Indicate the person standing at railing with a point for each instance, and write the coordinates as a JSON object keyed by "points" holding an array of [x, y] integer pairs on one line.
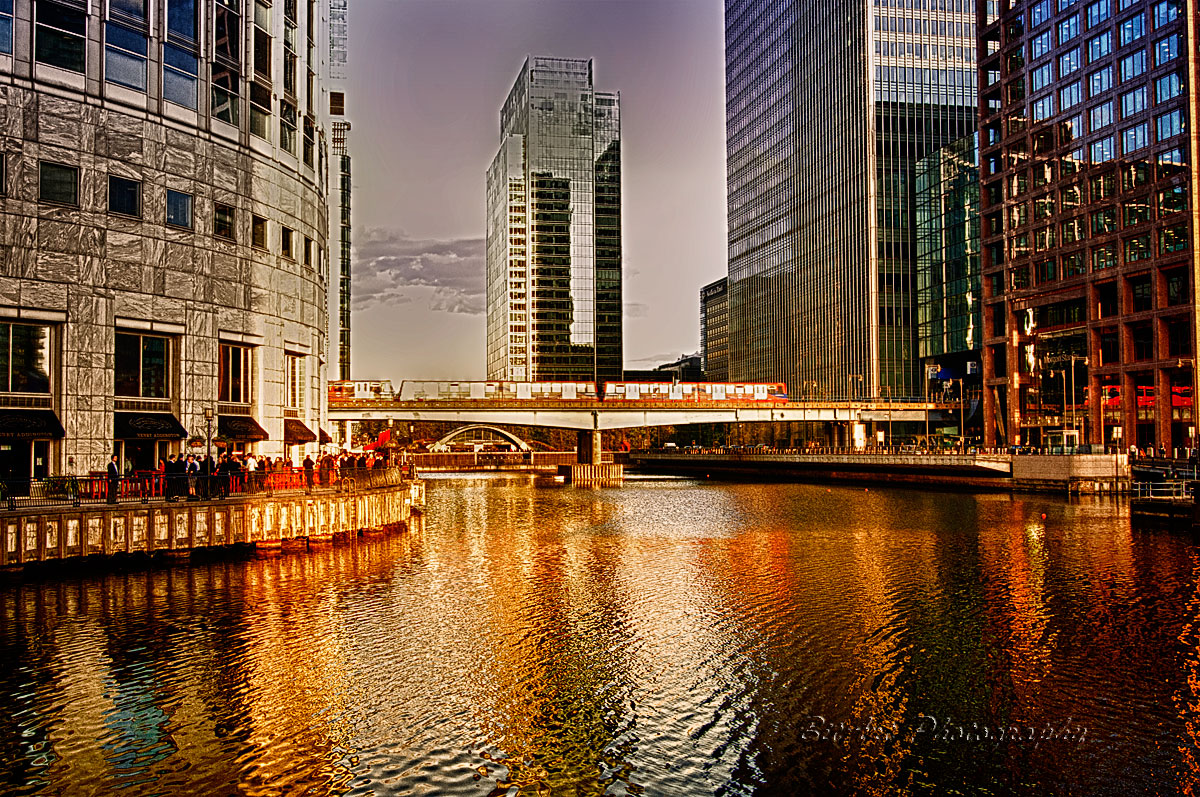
{"points": [[251, 467], [114, 479], [308, 473]]}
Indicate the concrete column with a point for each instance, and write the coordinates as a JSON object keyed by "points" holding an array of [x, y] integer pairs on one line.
{"points": [[588, 450]]}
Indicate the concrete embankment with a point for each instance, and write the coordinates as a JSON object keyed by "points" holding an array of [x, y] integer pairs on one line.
{"points": [[1071, 474], [266, 522]]}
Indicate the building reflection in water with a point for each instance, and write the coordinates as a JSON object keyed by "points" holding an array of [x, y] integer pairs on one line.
{"points": [[668, 637]]}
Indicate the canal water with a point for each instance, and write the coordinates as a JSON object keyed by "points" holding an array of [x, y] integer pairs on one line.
{"points": [[668, 637]]}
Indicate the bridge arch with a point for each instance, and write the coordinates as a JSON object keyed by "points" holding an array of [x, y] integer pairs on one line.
{"points": [[444, 443]]}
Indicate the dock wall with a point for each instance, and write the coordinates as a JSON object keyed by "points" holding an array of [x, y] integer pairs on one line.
{"points": [[267, 522]]}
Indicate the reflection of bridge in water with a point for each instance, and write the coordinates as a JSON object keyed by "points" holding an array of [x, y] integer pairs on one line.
{"points": [[590, 417]]}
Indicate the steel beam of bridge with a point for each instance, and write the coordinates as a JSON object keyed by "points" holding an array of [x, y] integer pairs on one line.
{"points": [[601, 415]]}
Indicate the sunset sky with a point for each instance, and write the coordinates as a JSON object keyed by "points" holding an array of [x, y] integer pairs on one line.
{"points": [[427, 78]]}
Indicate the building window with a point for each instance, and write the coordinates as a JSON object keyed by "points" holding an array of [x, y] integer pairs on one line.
{"points": [[236, 372], [337, 103], [60, 36], [225, 88], [124, 196], [6, 26], [181, 19], [181, 70], [295, 381], [1173, 239], [1166, 50], [1135, 211], [1137, 249], [134, 9], [179, 209], [1172, 200], [260, 110], [285, 243], [227, 28], [287, 126], [308, 250], [262, 40], [1170, 124], [142, 366], [125, 57], [1177, 288], [224, 222], [24, 358], [1104, 257], [258, 232], [58, 183], [310, 140]]}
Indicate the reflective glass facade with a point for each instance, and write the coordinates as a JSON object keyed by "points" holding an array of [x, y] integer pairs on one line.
{"points": [[949, 318], [554, 229], [823, 141], [1088, 242]]}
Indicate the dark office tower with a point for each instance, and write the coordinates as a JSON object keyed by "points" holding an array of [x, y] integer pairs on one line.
{"points": [[1088, 254], [829, 105], [554, 229], [949, 320], [714, 330]]}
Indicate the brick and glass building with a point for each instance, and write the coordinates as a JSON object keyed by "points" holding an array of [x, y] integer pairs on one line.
{"points": [[163, 251], [830, 104], [554, 229], [1087, 141]]}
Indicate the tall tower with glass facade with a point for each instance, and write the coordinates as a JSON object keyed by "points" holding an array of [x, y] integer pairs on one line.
{"points": [[554, 229], [829, 106], [339, 184]]}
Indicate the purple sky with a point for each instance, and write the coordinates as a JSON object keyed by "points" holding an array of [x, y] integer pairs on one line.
{"points": [[427, 78]]}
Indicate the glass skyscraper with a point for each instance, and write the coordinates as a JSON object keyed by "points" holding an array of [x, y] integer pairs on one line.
{"points": [[554, 229], [949, 320], [829, 105]]}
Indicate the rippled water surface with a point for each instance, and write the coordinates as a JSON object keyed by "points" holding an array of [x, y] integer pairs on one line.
{"points": [[667, 637]]}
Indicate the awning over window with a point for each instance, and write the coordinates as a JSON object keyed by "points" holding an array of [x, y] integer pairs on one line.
{"points": [[324, 438], [240, 427], [147, 425], [29, 424], [296, 433]]}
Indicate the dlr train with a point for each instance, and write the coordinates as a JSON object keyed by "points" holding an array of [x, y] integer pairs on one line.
{"points": [[695, 392]]}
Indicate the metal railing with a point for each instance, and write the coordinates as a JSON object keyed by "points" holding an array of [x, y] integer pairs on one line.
{"points": [[142, 488], [1163, 491], [491, 459]]}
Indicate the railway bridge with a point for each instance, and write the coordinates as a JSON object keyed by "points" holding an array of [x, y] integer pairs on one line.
{"points": [[590, 417]]}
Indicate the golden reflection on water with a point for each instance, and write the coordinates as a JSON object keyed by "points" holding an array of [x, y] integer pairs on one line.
{"points": [[673, 638]]}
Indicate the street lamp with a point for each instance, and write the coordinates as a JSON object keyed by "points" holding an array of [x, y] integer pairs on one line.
{"points": [[854, 378], [208, 419]]}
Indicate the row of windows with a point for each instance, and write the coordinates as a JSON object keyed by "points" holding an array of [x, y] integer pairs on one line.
{"points": [[143, 365], [1133, 250], [61, 35], [59, 184]]}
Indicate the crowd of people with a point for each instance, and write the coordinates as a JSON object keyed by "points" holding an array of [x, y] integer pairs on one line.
{"points": [[191, 476]]}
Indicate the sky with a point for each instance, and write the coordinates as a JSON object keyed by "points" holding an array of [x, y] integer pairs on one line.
{"points": [[426, 82]]}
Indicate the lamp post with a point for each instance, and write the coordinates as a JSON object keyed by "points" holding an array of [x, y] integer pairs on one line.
{"points": [[208, 419]]}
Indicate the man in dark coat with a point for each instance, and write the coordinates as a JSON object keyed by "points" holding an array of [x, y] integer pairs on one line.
{"points": [[308, 473], [114, 479]]}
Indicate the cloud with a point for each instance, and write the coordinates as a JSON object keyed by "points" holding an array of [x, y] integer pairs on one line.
{"points": [[390, 268]]}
